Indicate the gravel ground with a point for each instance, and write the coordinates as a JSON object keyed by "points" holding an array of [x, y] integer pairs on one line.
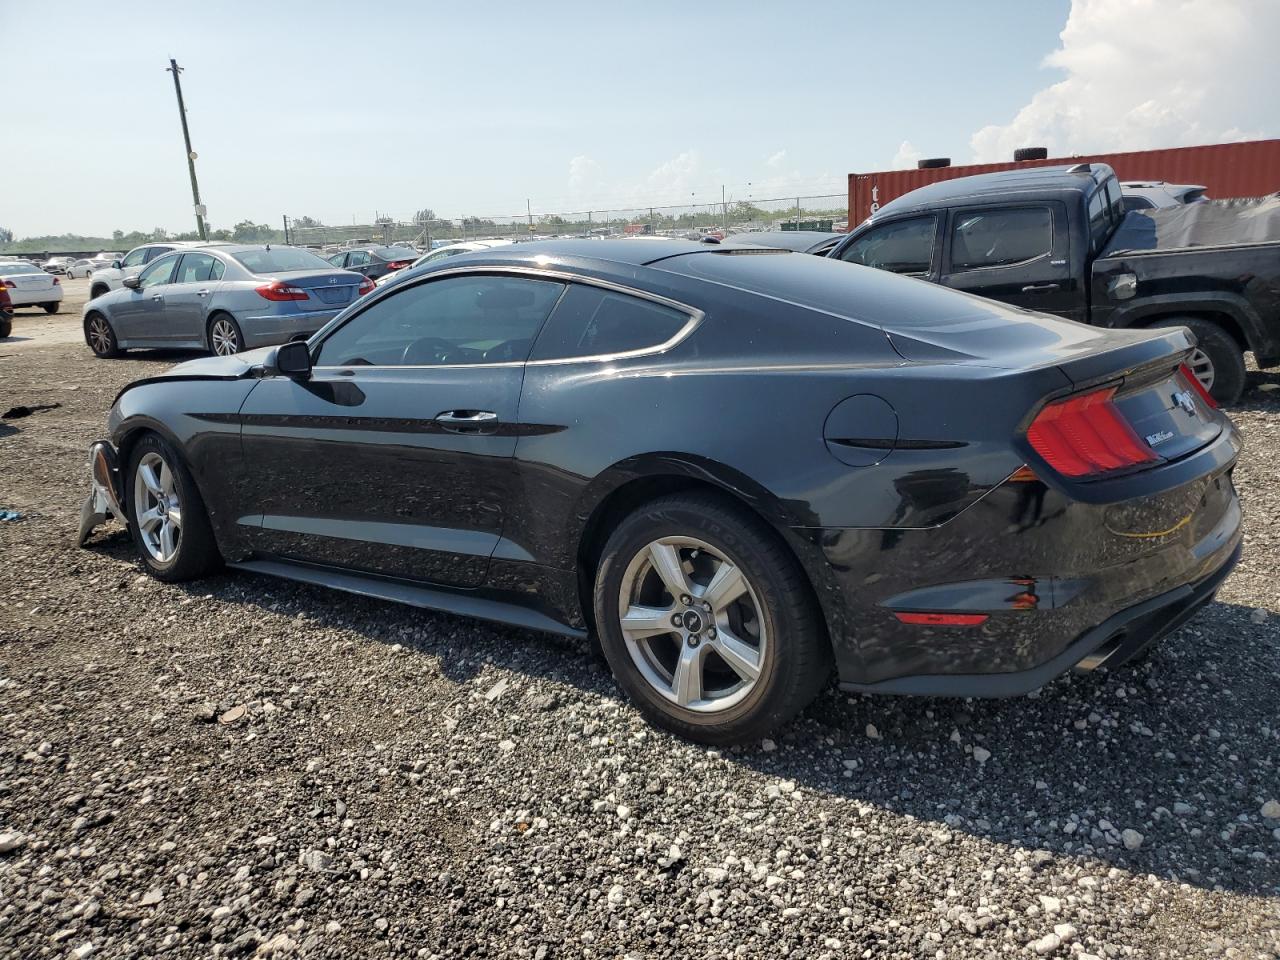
{"points": [[244, 767]]}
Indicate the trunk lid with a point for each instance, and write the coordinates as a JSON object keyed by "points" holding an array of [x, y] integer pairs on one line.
{"points": [[31, 281], [327, 289]]}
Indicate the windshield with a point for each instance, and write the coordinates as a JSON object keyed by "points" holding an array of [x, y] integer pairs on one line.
{"points": [[280, 260]]}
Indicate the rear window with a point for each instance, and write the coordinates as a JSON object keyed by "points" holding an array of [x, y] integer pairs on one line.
{"points": [[593, 322], [280, 260], [998, 238], [15, 268]]}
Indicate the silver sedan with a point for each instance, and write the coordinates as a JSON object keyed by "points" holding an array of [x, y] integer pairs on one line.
{"points": [[222, 299]]}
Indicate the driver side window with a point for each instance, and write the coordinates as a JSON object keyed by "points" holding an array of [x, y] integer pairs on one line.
{"points": [[903, 246], [161, 271], [454, 320]]}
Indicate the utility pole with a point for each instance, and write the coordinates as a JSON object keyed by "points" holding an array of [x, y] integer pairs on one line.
{"points": [[285, 218], [191, 154], [724, 210], [529, 209]]}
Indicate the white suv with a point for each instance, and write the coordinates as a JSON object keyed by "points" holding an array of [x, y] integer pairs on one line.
{"points": [[112, 277]]}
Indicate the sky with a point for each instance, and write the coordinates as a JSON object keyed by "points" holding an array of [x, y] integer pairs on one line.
{"points": [[344, 111]]}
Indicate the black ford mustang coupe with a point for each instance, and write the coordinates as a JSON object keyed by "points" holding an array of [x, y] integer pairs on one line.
{"points": [[735, 466]]}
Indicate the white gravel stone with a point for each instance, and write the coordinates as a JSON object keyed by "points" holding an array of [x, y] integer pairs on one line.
{"points": [[1132, 839], [1047, 944], [981, 754], [1271, 810]]}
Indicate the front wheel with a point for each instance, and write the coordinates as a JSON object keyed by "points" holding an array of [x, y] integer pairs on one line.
{"points": [[225, 337], [1217, 361], [167, 515], [707, 621]]}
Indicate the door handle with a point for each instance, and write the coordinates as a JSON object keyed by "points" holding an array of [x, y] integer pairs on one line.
{"points": [[1041, 287], [157, 296], [468, 421], [202, 293]]}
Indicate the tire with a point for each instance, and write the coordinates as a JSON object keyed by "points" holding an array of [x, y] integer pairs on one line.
{"points": [[6, 327], [101, 337], [224, 336], [773, 627], [1030, 153], [933, 163], [189, 550], [1218, 361], [98, 290], [50, 307]]}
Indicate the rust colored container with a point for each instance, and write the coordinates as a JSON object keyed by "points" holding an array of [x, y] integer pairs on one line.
{"points": [[1250, 169]]}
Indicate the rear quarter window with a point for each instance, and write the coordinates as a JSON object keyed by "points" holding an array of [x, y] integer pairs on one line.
{"points": [[596, 322]]}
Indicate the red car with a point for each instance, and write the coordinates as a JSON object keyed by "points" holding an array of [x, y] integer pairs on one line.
{"points": [[6, 313]]}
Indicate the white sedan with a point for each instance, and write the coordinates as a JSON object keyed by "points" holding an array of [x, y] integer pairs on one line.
{"points": [[443, 253], [29, 286], [82, 268]]}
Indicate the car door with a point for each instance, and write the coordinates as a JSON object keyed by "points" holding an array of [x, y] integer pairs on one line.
{"points": [[187, 299], [395, 456], [139, 314], [1015, 253], [360, 261]]}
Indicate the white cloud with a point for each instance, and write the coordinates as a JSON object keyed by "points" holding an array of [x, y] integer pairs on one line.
{"points": [[777, 160], [1151, 73], [582, 172], [675, 178], [906, 156]]}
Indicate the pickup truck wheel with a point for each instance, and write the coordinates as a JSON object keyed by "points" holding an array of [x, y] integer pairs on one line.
{"points": [[1217, 362]]}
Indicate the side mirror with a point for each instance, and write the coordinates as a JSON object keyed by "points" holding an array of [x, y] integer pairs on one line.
{"points": [[115, 265], [293, 360], [132, 283]]}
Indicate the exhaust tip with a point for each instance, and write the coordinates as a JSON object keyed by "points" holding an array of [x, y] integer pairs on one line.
{"points": [[1092, 661]]}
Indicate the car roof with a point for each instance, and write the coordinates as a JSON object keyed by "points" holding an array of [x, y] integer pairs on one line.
{"points": [[801, 240], [615, 250], [1077, 178]]}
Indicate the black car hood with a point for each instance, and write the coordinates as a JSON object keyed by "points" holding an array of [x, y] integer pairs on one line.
{"points": [[234, 367], [237, 365]]}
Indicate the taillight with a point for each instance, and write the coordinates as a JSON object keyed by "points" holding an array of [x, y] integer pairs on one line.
{"points": [[56, 282], [279, 290], [366, 286], [1086, 435], [1189, 375], [398, 264]]}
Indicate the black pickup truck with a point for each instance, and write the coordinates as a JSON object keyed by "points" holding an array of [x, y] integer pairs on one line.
{"points": [[1057, 240]]}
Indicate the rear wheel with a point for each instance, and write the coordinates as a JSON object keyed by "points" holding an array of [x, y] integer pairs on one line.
{"points": [[50, 307], [6, 326], [1217, 361], [225, 337], [707, 621], [166, 514], [100, 337]]}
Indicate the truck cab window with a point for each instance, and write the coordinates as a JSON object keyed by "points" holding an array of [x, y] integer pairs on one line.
{"points": [[903, 246], [998, 238]]}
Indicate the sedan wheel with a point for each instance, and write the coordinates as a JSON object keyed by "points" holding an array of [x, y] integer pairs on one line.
{"points": [[224, 337], [1202, 366], [158, 507], [692, 624]]}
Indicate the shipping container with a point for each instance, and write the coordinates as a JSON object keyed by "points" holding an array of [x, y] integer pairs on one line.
{"points": [[1249, 169]]}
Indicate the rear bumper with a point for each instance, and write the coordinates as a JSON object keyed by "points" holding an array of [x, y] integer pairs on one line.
{"points": [[268, 330], [1114, 641]]}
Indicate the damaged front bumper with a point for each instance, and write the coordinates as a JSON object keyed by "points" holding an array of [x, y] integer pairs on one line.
{"points": [[104, 497]]}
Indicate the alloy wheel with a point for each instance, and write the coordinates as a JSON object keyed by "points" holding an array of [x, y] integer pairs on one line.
{"points": [[158, 507], [100, 337], [692, 624], [225, 339], [1202, 367]]}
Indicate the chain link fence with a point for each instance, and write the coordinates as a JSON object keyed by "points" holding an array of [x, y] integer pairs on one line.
{"points": [[826, 212]]}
